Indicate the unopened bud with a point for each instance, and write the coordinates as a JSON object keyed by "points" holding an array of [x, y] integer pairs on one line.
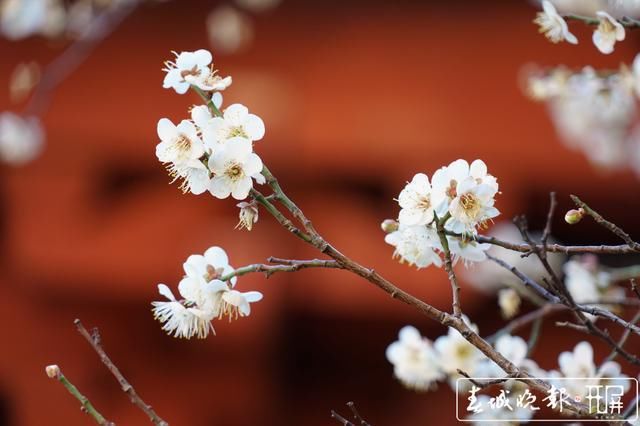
{"points": [[574, 216], [389, 226], [248, 215], [509, 302], [53, 371]]}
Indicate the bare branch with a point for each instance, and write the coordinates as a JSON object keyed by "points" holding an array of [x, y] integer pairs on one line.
{"points": [[54, 372], [94, 341]]}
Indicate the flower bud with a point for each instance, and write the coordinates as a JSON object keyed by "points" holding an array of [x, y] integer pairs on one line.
{"points": [[509, 302], [53, 371], [389, 226], [248, 215], [574, 216]]}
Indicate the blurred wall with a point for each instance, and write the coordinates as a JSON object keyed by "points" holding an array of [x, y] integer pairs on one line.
{"points": [[357, 97]]}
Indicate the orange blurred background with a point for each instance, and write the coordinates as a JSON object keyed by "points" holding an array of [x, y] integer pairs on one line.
{"points": [[357, 97]]}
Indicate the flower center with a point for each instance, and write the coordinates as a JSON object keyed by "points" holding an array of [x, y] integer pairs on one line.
{"points": [[193, 71], [237, 131], [470, 204], [463, 351], [213, 273], [451, 190], [234, 171], [606, 26]]}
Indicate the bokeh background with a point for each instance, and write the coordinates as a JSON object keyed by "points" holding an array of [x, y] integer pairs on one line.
{"points": [[357, 96]]}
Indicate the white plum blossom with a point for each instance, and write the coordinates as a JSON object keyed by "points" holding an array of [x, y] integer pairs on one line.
{"points": [[578, 371], [467, 193], [248, 215], [415, 362], [187, 64], [456, 353], [588, 283], [209, 81], [234, 166], [236, 303], [181, 149], [509, 302], [235, 122], [211, 265], [552, 25], [21, 138], [415, 202], [608, 32], [468, 250], [415, 245], [179, 320], [514, 348]]}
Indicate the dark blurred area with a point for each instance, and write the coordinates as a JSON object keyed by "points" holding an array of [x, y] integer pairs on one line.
{"points": [[357, 97]]}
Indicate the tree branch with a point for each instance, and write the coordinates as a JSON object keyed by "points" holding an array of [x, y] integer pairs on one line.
{"points": [[94, 341]]}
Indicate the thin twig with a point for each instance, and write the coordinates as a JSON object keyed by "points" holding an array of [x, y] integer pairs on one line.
{"points": [[448, 265], [54, 372], [341, 419], [56, 72], [292, 266], [536, 329], [94, 341], [623, 339], [485, 383], [612, 227], [357, 415], [625, 21]]}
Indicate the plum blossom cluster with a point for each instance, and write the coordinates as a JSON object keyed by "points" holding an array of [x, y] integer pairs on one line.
{"points": [[552, 24], [207, 292], [460, 198], [594, 112], [419, 364], [213, 150]]}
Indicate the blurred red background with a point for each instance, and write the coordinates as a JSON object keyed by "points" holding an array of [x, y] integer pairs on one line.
{"points": [[357, 97]]}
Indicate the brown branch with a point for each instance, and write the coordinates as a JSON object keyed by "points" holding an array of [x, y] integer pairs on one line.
{"points": [[56, 72], [448, 266], [287, 265], [484, 384], [623, 339], [94, 341], [612, 227]]}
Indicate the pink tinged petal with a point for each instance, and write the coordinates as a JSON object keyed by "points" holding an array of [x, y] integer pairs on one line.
{"points": [[166, 292], [219, 188], [254, 126], [166, 129], [216, 256], [236, 114], [252, 165], [242, 188]]}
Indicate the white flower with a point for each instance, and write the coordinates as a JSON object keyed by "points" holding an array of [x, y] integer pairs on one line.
{"points": [[236, 122], [588, 283], [234, 165], [248, 215], [509, 302], [179, 145], [180, 320], [236, 303], [209, 81], [21, 138], [22, 18], [553, 25], [414, 360], [187, 64], [415, 245], [514, 348], [415, 201], [214, 264], [466, 192], [455, 352], [468, 250], [180, 148], [608, 32]]}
